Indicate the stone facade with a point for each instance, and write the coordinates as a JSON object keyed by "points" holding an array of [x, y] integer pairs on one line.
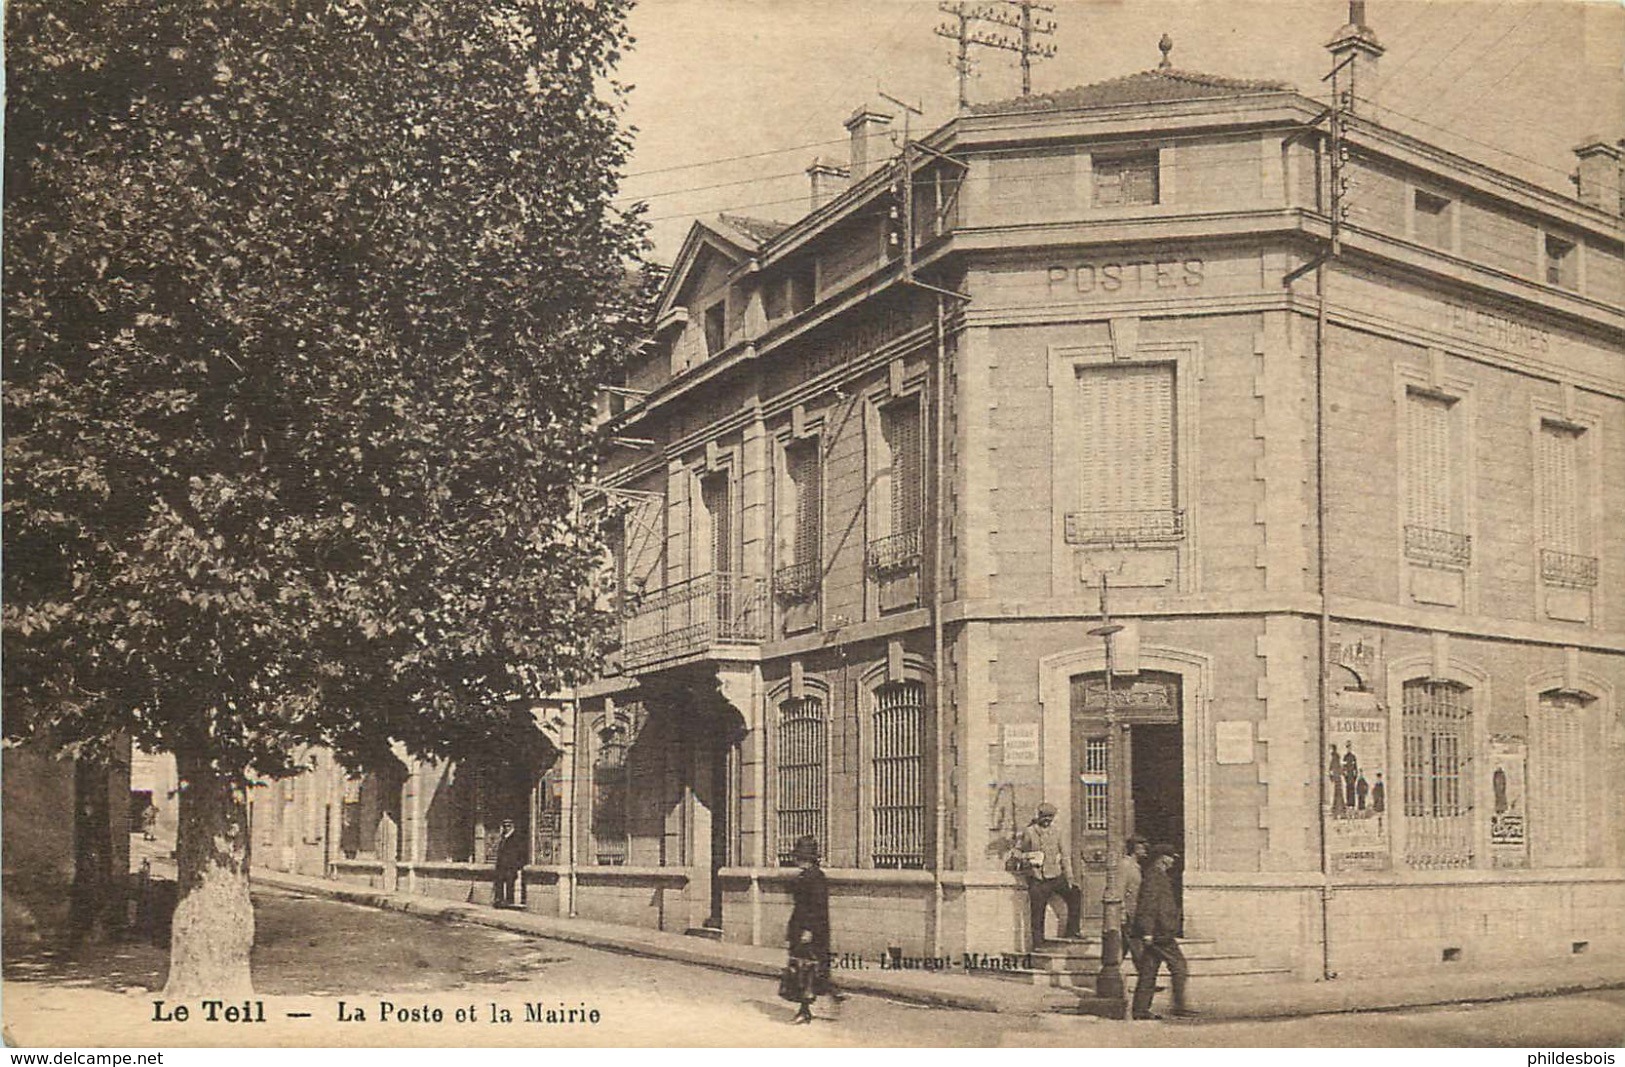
{"points": [[1376, 504]]}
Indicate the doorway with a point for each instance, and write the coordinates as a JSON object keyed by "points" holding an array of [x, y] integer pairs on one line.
{"points": [[1148, 707], [1157, 783]]}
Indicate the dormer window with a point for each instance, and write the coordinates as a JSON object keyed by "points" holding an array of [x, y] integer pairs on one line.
{"points": [[716, 327], [1125, 180], [1561, 263]]}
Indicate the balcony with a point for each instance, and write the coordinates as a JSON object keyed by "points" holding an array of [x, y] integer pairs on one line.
{"points": [[1438, 548], [691, 619], [1568, 569], [897, 554], [1124, 527], [796, 582]]}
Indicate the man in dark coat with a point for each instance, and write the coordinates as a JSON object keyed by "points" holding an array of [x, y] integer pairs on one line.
{"points": [[1156, 921], [808, 931], [510, 860]]}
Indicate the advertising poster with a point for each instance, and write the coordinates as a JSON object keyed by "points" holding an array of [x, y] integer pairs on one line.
{"points": [[1509, 842], [1354, 783]]}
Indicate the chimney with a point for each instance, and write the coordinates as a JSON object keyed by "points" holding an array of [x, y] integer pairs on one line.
{"points": [[866, 127], [826, 181], [1597, 181], [1359, 78]]}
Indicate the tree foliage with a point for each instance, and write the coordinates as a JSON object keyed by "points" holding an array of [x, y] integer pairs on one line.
{"points": [[305, 301]]}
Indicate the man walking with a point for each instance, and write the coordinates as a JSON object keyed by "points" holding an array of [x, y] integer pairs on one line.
{"points": [[510, 860], [1133, 856], [1049, 872], [1156, 922]]}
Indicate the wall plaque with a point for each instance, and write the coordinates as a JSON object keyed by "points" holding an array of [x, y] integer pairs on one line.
{"points": [[1019, 744], [1233, 741]]}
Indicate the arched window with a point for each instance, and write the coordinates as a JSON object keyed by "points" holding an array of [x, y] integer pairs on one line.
{"points": [[1438, 788], [899, 775], [803, 744]]}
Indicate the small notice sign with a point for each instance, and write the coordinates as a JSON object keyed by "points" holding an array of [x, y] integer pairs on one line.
{"points": [[1020, 744], [1233, 741]]}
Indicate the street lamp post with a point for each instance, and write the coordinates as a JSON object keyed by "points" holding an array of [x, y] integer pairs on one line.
{"points": [[1109, 982]]}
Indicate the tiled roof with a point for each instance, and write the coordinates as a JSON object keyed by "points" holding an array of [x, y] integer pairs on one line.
{"points": [[1158, 86], [758, 230]]}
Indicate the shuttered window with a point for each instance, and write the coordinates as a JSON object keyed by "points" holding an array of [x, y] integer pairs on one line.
{"points": [[1557, 473], [898, 731], [803, 743], [1437, 750], [1557, 794], [1431, 475], [717, 501], [1126, 453], [1125, 180], [900, 427], [805, 468]]}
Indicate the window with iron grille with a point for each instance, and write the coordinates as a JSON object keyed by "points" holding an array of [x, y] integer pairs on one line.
{"points": [[1437, 727], [1557, 780], [1094, 784], [1433, 509], [1125, 180], [609, 797], [899, 775], [1127, 456], [803, 744], [547, 818]]}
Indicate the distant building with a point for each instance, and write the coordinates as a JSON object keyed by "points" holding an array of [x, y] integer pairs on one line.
{"points": [[1367, 541]]}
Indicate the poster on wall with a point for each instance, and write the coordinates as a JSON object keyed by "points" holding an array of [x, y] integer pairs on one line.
{"points": [[1354, 785], [1509, 843]]}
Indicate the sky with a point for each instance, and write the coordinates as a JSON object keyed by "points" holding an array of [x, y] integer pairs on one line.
{"points": [[732, 99]]}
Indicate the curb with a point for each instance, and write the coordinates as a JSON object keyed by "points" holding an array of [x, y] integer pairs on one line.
{"points": [[855, 982], [1015, 1001]]}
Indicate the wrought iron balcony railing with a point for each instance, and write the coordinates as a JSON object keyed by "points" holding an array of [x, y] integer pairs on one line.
{"points": [[1124, 527], [1438, 548], [889, 556], [1568, 569], [691, 617], [796, 581]]}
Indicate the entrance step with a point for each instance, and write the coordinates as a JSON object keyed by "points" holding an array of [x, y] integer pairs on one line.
{"points": [[1073, 964], [710, 933]]}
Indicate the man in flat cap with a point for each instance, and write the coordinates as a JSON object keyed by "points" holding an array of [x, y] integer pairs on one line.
{"points": [[1156, 924], [1049, 872]]}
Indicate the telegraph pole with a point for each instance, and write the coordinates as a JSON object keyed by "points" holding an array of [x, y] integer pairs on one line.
{"points": [[1021, 19], [961, 34], [1015, 14]]}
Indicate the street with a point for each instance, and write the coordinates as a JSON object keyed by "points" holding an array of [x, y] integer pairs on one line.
{"points": [[311, 955]]}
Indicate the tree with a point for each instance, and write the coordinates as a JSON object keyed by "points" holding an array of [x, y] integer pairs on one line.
{"points": [[305, 302]]}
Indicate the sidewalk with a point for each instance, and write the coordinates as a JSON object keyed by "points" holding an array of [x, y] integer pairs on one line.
{"points": [[956, 989]]}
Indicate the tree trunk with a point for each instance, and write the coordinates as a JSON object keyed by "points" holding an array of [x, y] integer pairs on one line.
{"points": [[93, 902], [213, 930]]}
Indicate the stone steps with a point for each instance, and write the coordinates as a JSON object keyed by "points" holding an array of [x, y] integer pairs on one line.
{"points": [[1073, 963]]}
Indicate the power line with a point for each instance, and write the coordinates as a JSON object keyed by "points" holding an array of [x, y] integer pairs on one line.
{"points": [[1473, 140], [1491, 46], [702, 188], [1391, 78], [1507, 73], [731, 159]]}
